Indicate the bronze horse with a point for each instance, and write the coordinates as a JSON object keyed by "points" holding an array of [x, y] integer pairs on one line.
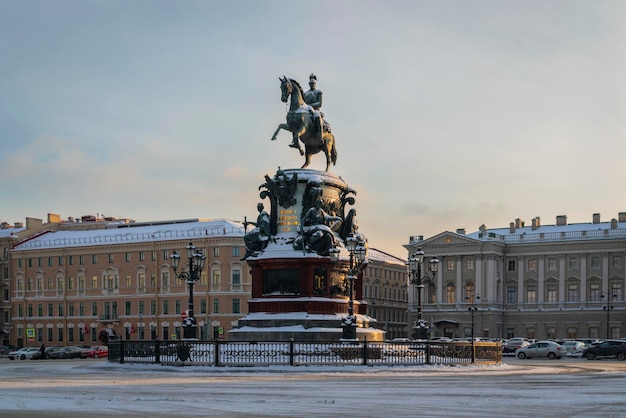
{"points": [[300, 124]]}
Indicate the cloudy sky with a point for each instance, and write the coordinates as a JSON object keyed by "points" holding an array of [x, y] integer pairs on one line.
{"points": [[447, 114]]}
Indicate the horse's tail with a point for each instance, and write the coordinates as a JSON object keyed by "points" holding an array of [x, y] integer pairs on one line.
{"points": [[333, 152]]}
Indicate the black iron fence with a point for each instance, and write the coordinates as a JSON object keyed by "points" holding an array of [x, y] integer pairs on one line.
{"points": [[220, 353]]}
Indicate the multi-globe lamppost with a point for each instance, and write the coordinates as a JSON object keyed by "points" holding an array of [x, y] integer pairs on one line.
{"points": [[414, 270], [608, 308], [358, 260], [191, 275], [473, 309]]}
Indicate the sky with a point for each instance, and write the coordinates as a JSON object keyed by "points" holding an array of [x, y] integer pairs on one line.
{"points": [[447, 114]]}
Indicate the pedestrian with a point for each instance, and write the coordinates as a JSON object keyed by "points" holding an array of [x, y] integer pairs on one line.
{"points": [[42, 350]]}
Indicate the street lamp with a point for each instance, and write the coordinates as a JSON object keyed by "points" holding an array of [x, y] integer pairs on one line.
{"points": [[608, 308], [473, 309], [191, 275], [414, 270], [358, 260]]}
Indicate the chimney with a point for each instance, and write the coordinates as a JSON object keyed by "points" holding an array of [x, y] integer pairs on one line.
{"points": [[561, 220], [621, 217], [460, 231], [518, 223], [18, 225], [596, 218], [535, 224], [512, 228]]}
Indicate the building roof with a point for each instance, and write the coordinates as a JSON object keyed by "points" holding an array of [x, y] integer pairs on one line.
{"points": [[139, 232]]}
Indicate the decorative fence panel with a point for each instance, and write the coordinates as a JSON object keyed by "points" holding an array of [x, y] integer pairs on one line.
{"points": [[244, 354]]}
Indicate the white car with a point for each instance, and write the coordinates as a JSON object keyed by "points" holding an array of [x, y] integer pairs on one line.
{"points": [[25, 353], [574, 348]]}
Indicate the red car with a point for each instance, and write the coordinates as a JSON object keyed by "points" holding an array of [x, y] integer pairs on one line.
{"points": [[98, 351]]}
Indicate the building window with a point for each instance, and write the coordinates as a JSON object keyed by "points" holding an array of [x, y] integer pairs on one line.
{"points": [[94, 308], [177, 307], [127, 307], [511, 294], [216, 251], [153, 307], [166, 255], [450, 293], [215, 279], [216, 305], [152, 279], [531, 294], [572, 292], [40, 310], [594, 292], [551, 263], [595, 262], [70, 260], [70, 283], [166, 307], [236, 277], [110, 258], [81, 282], [59, 283], [81, 260], [236, 305], [94, 259], [470, 293], [70, 308], [50, 283], [141, 307], [532, 264], [81, 309], [469, 264], [572, 332], [511, 265], [60, 260], [202, 306], [50, 309], [572, 263], [141, 280], [128, 281], [165, 278], [616, 291], [127, 257], [235, 251], [153, 256], [449, 265], [552, 296], [60, 334], [617, 261], [141, 256], [61, 309]]}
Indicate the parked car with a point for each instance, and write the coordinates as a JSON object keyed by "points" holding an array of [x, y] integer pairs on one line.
{"points": [[98, 351], [513, 344], [401, 340], [24, 353], [67, 352], [548, 349], [574, 348], [609, 348], [50, 350]]}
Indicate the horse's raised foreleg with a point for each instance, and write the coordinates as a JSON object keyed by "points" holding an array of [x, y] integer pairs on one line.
{"points": [[281, 126]]}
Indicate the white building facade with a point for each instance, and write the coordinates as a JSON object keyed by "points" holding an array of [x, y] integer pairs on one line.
{"points": [[538, 281]]}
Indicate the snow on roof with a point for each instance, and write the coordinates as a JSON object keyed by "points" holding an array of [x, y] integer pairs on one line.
{"points": [[553, 232], [377, 255], [138, 233], [7, 232]]}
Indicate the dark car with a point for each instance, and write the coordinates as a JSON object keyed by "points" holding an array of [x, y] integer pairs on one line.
{"points": [[513, 344], [609, 348], [67, 352]]}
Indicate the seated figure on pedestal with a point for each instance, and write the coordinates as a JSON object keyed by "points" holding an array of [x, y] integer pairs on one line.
{"points": [[317, 235], [257, 239]]}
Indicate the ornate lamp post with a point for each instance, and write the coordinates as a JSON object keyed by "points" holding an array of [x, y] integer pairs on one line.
{"points": [[473, 309], [191, 274], [608, 308], [358, 260], [414, 270]]}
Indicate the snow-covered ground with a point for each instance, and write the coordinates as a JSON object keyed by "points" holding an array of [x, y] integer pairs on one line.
{"points": [[89, 388]]}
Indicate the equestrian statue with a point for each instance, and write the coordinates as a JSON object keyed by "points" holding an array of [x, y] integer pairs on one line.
{"points": [[305, 121]]}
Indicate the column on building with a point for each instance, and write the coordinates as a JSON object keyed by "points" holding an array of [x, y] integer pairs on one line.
{"points": [[541, 277], [520, 280], [460, 294]]}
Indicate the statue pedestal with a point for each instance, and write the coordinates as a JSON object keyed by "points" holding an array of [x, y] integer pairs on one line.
{"points": [[297, 293]]}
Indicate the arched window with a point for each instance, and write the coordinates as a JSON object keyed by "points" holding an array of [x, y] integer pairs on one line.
{"points": [[470, 292], [450, 293]]}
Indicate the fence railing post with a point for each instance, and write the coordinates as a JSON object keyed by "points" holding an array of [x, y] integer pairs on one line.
{"points": [[365, 353], [121, 351], [291, 351], [428, 352], [157, 352], [216, 352]]}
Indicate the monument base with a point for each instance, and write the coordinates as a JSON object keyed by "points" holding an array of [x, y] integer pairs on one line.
{"points": [[300, 327]]}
